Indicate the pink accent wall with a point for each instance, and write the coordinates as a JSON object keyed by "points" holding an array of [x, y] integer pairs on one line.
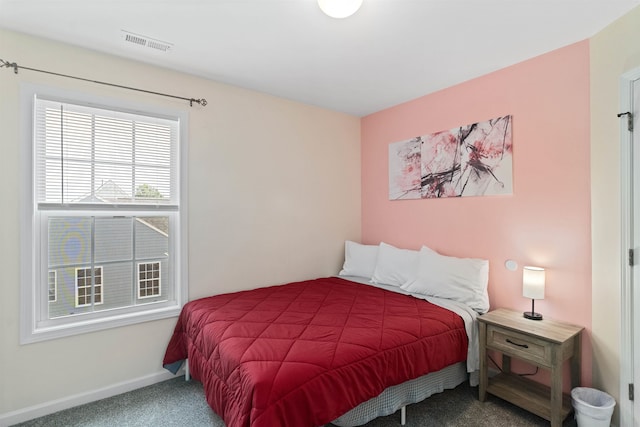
{"points": [[546, 222]]}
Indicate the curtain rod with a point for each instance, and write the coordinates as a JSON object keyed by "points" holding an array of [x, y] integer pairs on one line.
{"points": [[15, 67]]}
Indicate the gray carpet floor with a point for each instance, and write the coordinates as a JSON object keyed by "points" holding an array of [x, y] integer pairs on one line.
{"points": [[180, 403]]}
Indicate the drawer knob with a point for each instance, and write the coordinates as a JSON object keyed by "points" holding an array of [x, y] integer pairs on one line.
{"points": [[515, 343]]}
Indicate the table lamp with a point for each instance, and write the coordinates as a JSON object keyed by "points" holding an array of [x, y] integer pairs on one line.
{"points": [[533, 287]]}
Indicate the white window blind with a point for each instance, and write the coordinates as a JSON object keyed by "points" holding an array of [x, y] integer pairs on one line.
{"points": [[106, 199], [87, 155]]}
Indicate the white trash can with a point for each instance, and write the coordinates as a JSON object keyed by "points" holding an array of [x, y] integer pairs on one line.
{"points": [[593, 407]]}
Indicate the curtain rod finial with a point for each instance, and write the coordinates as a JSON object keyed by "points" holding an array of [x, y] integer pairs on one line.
{"points": [[8, 64], [202, 101]]}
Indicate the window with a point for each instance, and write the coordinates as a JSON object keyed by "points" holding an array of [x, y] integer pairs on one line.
{"points": [[103, 238], [149, 280], [88, 286], [53, 286]]}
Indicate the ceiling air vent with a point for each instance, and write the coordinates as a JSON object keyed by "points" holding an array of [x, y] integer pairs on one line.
{"points": [[145, 41]]}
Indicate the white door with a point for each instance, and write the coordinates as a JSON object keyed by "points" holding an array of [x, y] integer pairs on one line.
{"points": [[630, 295], [635, 289]]}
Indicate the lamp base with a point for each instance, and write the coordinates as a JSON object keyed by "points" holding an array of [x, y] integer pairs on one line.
{"points": [[533, 316]]}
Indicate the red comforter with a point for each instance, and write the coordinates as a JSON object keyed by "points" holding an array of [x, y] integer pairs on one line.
{"points": [[304, 353]]}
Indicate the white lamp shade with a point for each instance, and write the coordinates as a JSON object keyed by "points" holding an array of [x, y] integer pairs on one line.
{"points": [[533, 279], [339, 8]]}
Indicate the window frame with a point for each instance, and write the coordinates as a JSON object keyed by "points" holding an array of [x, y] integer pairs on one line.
{"points": [[33, 253]]}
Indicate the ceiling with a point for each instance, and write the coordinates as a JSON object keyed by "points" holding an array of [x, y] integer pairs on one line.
{"points": [[389, 52]]}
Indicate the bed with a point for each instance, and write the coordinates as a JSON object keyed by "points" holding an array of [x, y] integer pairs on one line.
{"points": [[336, 349]]}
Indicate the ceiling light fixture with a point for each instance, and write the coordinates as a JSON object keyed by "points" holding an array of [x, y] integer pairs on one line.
{"points": [[339, 8]]}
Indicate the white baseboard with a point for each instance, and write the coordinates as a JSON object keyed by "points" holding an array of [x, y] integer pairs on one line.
{"points": [[29, 413]]}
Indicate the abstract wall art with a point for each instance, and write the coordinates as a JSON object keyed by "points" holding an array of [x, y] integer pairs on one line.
{"points": [[471, 160]]}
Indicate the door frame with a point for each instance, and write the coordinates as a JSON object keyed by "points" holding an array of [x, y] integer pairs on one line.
{"points": [[627, 333]]}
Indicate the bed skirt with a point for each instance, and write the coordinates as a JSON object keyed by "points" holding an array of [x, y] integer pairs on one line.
{"points": [[413, 391]]}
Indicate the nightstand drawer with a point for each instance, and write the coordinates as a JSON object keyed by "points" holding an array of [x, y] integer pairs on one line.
{"points": [[519, 345]]}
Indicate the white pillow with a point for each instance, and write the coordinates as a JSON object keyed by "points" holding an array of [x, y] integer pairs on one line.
{"points": [[460, 279], [394, 266], [359, 260]]}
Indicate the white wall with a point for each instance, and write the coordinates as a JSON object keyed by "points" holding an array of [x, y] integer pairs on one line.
{"points": [[614, 51], [274, 190]]}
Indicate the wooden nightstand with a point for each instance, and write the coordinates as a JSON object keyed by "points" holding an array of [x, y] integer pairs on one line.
{"points": [[545, 343]]}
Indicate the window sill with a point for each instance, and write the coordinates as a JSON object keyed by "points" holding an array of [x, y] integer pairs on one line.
{"points": [[80, 327]]}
